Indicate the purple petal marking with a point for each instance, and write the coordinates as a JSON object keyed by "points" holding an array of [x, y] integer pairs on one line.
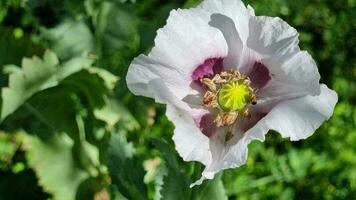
{"points": [[248, 123], [210, 67], [259, 75], [206, 124]]}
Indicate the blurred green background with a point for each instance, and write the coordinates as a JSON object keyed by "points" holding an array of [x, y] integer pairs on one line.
{"points": [[70, 129]]}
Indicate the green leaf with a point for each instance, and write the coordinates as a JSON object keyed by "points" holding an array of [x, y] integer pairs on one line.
{"points": [[36, 75], [211, 190], [12, 50], [191, 3], [125, 169], [74, 76], [110, 80], [93, 188], [110, 113], [117, 36], [70, 39], [52, 160], [159, 182], [116, 29], [115, 194], [115, 113], [64, 103], [8, 148], [175, 182]]}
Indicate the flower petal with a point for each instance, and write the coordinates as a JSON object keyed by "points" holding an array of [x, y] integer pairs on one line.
{"points": [[226, 155], [206, 124], [259, 75], [208, 68], [236, 10], [191, 143], [187, 40], [143, 69], [185, 43], [293, 75], [227, 26], [271, 35], [298, 118], [294, 72], [232, 19]]}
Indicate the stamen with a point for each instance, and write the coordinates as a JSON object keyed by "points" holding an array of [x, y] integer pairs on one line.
{"points": [[229, 92], [209, 83], [226, 119], [247, 113], [210, 100]]}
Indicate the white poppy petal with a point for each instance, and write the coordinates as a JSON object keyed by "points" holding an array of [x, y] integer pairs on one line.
{"points": [[298, 118], [226, 155], [271, 36], [232, 154], [236, 10], [293, 75], [217, 150], [143, 69], [177, 54], [250, 10], [191, 143], [187, 41], [227, 26], [294, 72], [232, 19]]}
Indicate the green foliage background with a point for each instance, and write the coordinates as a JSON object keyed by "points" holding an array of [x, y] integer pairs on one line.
{"points": [[70, 129]]}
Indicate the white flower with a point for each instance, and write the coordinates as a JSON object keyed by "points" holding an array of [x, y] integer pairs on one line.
{"points": [[228, 77]]}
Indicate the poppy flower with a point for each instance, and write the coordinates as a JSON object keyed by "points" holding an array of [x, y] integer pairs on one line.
{"points": [[227, 78]]}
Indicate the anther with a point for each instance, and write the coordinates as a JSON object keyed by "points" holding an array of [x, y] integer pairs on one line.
{"points": [[210, 99], [225, 119], [247, 113], [209, 83]]}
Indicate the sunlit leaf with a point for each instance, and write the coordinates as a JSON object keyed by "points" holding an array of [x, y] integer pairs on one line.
{"points": [[52, 160], [69, 39], [36, 75]]}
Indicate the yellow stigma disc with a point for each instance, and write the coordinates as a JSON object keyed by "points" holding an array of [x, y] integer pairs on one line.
{"points": [[234, 96]]}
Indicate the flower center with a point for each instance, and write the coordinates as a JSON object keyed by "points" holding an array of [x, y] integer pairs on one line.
{"points": [[234, 96], [229, 93]]}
